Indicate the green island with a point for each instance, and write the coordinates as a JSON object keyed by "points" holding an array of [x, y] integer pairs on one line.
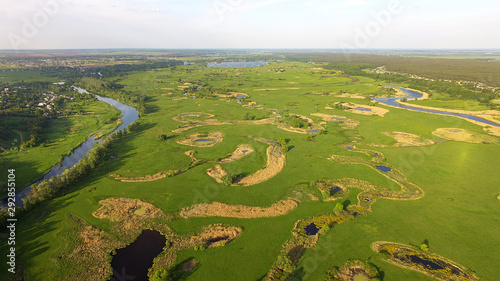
{"points": [[290, 169]]}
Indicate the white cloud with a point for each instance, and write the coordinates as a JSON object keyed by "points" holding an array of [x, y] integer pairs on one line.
{"points": [[352, 3]]}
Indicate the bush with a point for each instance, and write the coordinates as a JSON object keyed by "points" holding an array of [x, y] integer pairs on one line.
{"points": [[339, 207], [161, 137], [281, 141], [227, 180], [298, 122], [285, 148], [161, 275]]}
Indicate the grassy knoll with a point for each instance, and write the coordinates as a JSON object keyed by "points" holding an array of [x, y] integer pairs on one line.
{"points": [[457, 214]]}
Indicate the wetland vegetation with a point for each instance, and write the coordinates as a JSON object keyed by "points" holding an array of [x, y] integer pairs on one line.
{"points": [[283, 167]]}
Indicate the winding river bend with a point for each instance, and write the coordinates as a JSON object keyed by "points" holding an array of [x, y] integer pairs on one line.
{"points": [[392, 101], [129, 115]]}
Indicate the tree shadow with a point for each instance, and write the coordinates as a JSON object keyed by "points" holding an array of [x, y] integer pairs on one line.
{"points": [[184, 269], [346, 203]]}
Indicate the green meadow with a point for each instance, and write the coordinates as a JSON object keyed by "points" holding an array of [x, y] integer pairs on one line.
{"points": [[459, 214]]}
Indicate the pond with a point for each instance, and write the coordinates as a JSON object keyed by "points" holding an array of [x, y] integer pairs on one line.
{"points": [[362, 109], [384, 169], [240, 96], [339, 119], [334, 190], [236, 64], [427, 263], [350, 147], [313, 132], [135, 259], [311, 229], [203, 140]]}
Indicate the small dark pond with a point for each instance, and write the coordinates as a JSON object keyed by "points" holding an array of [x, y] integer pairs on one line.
{"points": [[203, 140], [335, 190], [376, 154], [311, 229], [350, 147], [426, 263], [245, 151], [339, 119], [313, 132], [384, 168], [135, 259], [240, 96], [355, 214]]}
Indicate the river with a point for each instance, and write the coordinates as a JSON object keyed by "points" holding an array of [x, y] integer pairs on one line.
{"points": [[392, 101], [129, 115]]}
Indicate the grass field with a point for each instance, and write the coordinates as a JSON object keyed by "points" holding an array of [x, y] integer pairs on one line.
{"points": [[458, 214], [25, 76]]}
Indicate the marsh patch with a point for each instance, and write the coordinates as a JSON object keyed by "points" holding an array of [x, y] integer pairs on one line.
{"points": [[203, 140], [455, 134], [428, 263], [218, 209]]}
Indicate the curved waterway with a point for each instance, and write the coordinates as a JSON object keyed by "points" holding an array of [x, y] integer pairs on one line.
{"points": [[129, 115], [392, 101]]}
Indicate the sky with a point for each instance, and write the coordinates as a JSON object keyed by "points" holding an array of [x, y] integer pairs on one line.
{"points": [[274, 24]]}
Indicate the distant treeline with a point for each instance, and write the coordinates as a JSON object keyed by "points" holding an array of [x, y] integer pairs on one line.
{"points": [[487, 72], [115, 91]]}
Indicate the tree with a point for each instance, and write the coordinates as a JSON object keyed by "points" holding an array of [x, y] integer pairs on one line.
{"points": [[161, 137], [285, 148], [339, 207]]}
